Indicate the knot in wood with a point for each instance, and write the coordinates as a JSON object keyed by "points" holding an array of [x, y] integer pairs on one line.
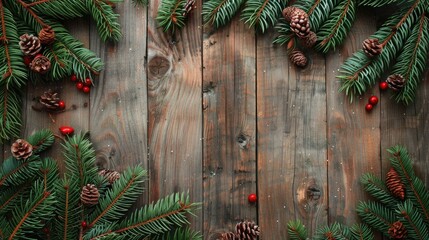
{"points": [[242, 140], [313, 193], [158, 66]]}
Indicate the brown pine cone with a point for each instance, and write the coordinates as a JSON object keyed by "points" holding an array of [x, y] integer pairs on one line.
{"points": [[309, 40], [21, 149], [298, 58], [47, 35], [29, 44], [89, 195], [247, 230], [289, 12], [50, 101], [395, 82], [110, 175], [372, 47], [228, 236], [40, 64], [394, 184], [397, 231], [299, 25]]}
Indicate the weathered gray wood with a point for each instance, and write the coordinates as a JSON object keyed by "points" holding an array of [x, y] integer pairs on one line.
{"points": [[291, 110], [229, 104], [353, 134], [175, 111]]}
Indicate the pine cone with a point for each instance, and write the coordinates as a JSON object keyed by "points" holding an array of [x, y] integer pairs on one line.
{"points": [[298, 58], [50, 101], [40, 64], [309, 40], [372, 47], [29, 44], [299, 25], [397, 231], [89, 195], [110, 175], [21, 149], [228, 236], [394, 184], [289, 12], [395, 82], [47, 35], [247, 230]]}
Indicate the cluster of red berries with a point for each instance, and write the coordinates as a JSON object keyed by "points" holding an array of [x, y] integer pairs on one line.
{"points": [[84, 86], [372, 101]]}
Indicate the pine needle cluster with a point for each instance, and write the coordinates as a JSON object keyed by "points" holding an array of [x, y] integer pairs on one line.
{"points": [[396, 216], [66, 54], [35, 203]]}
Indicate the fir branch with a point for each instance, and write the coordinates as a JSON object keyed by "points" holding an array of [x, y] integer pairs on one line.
{"points": [[296, 230], [10, 197], [171, 15], [333, 231], [413, 221], [377, 188], [411, 63], [262, 13], [10, 112], [334, 31], [123, 193], [41, 140], [32, 13], [219, 12], [376, 3], [361, 232], [107, 21], [15, 173], [48, 171], [60, 9], [376, 215], [181, 234]]}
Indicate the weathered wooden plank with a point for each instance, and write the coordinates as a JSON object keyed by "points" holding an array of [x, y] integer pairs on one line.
{"points": [[353, 134], [229, 103], [76, 113], [118, 119], [175, 111], [291, 107]]}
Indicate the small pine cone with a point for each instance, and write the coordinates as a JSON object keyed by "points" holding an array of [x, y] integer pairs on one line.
{"points": [[298, 58], [50, 101], [29, 44], [395, 82], [89, 195], [247, 230], [21, 149], [372, 47], [299, 25], [309, 40], [47, 35], [40, 64], [397, 231], [394, 184], [289, 12], [228, 236], [110, 175]]}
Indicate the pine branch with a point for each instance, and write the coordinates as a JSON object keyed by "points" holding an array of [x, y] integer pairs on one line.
{"points": [[376, 3], [334, 31], [181, 234], [120, 197], [377, 188], [41, 140], [60, 9], [48, 172], [413, 221], [15, 173], [171, 14], [262, 13], [107, 21], [333, 231], [10, 198], [361, 232], [10, 112], [411, 63], [220, 12], [376, 215], [296, 230]]}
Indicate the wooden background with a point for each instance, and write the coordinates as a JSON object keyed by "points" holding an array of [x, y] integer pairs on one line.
{"points": [[224, 114]]}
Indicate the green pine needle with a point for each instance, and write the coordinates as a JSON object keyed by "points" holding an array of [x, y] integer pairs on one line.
{"points": [[15, 173], [171, 15], [220, 12], [376, 3], [262, 13], [296, 230], [181, 234], [377, 188], [361, 231], [10, 112], [376, 215], [413, 221], [106, 19], [333, 231], [41, 140]]}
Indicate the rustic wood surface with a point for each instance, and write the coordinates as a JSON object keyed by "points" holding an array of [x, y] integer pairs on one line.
{"points": [[222, 114]]}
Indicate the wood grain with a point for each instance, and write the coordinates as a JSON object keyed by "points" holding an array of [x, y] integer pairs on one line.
{"points": [[291, 105], [229, 103], [175, 108], [353, 134]]}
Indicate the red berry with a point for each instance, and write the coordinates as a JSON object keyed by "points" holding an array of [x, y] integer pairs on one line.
{"points": [[73, 77], [86, 89], [46, 230], [383, 85], [61, 104], [38, 55], [373, 100], [84, 224], [79, 85], [252, 198], [66, 130], [368, 107], [27, 60], [88, 81]]}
